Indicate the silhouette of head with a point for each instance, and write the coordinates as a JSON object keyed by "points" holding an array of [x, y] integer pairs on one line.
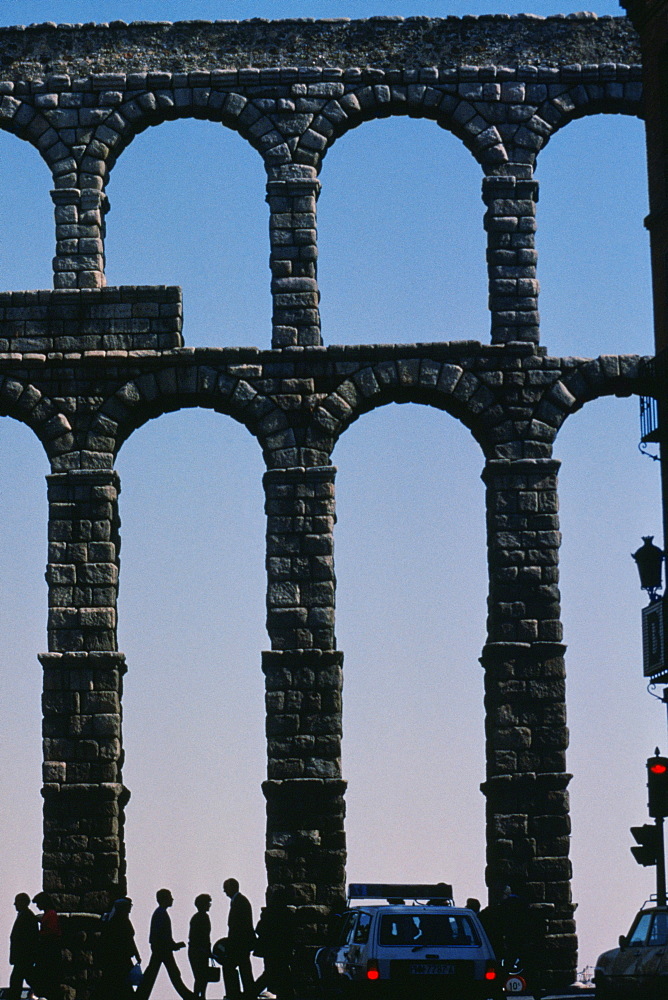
{"points": [[230, 887], [164, 898], [473, 904], [203, 902], [43, 901], [22, 901], [278, 897]]}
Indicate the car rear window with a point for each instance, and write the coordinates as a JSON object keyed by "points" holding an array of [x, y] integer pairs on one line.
{"points": [[430, 929]]}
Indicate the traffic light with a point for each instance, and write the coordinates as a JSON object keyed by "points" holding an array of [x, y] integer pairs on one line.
{"points": [[649, 838], [657, 786]]}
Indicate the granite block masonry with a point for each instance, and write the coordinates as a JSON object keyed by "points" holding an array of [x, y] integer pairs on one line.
{"points": [[84, 365]]}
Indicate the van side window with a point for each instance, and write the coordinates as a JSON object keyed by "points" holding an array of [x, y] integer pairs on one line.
{"points": [[351, 927], [346, 928], [363, 928]]}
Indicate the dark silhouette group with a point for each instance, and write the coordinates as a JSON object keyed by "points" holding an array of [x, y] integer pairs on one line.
{"points": [[36, 949]]}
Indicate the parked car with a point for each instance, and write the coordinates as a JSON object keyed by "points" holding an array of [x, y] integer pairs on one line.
{"points": [[639, 966], [414, 943]]}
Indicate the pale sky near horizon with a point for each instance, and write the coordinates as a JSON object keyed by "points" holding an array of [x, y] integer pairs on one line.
{"points": [[402, 258]]}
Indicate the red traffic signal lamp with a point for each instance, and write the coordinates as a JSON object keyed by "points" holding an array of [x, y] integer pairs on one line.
{"points": [[649, 839], [657, 786]]}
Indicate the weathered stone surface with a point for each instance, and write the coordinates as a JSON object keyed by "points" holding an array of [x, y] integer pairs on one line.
{"points": [[384, 42], [85, 365]]}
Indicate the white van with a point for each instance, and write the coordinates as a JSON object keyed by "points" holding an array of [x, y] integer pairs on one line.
{"points": [[415, 943]]}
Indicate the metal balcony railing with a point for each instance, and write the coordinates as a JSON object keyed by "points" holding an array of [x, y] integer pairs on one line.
{"points": [[649, 420], [655, 375]]}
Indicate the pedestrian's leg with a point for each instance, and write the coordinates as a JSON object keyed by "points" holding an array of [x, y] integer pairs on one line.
{"points": [[16, 982], [231, 979], [149, 977], [174, 974], [201, 983], [200, 971], [284, 989], [247, 980]]}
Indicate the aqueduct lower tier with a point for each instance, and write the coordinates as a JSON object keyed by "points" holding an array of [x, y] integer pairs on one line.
{"points": [[84, 365], [297, 402]]}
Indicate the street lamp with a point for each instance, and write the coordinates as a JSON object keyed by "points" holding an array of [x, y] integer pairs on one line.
{"points": [[649, 560]]}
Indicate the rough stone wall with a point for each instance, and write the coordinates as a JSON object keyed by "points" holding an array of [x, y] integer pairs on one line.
{"points": [[383, 42], [85, 365]]}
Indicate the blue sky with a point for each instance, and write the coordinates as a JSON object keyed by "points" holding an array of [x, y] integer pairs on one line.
{"points": [[401, 259]]}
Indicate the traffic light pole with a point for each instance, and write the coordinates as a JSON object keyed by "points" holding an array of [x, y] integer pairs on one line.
{"points": [[660, 864]]}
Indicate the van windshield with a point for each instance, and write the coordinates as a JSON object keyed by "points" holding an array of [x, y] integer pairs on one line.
{"points": [[429, 929]]}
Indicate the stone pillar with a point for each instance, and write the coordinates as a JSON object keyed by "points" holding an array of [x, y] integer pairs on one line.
{"points": [[80, 232], [84, 796], [526, 788], [304, 790], [292, 192], [511, 257]]}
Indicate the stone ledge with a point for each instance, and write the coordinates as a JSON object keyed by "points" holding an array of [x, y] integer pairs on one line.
{"points": [[194, 47]]}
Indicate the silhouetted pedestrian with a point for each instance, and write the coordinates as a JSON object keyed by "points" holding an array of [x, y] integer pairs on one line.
{"points": [[473, 904], [275, 944], [23, 942], [117, 951], [199, 944], [163, 947], [514, 925], [47, 978], [240, 942]]}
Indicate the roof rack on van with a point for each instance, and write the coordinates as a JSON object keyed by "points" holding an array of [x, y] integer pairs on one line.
{"points": [[400, 891]]}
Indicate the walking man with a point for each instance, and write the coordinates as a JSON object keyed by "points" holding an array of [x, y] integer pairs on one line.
{"points": [[240, 943], [22, 946], [163, 947]]}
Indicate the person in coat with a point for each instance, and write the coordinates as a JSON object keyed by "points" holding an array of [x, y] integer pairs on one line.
{"points": [[117, 952], [48, 974], [23, 942], [163, 947], [199, 944], [240, 942], [275, 934]]}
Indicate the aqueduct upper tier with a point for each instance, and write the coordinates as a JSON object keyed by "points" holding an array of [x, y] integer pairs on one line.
{"points": [[84, 365], [503, 85]]}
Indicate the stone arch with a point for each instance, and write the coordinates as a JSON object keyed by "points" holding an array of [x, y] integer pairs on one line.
{"points": [[608, 375], [451, 112], [178, 386], [445, 386], [25, 402], [24, 121], [153, 107], [614, 97]]}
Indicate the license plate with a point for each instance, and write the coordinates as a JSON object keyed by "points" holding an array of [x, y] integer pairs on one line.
{"points": [[427, 969]]}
